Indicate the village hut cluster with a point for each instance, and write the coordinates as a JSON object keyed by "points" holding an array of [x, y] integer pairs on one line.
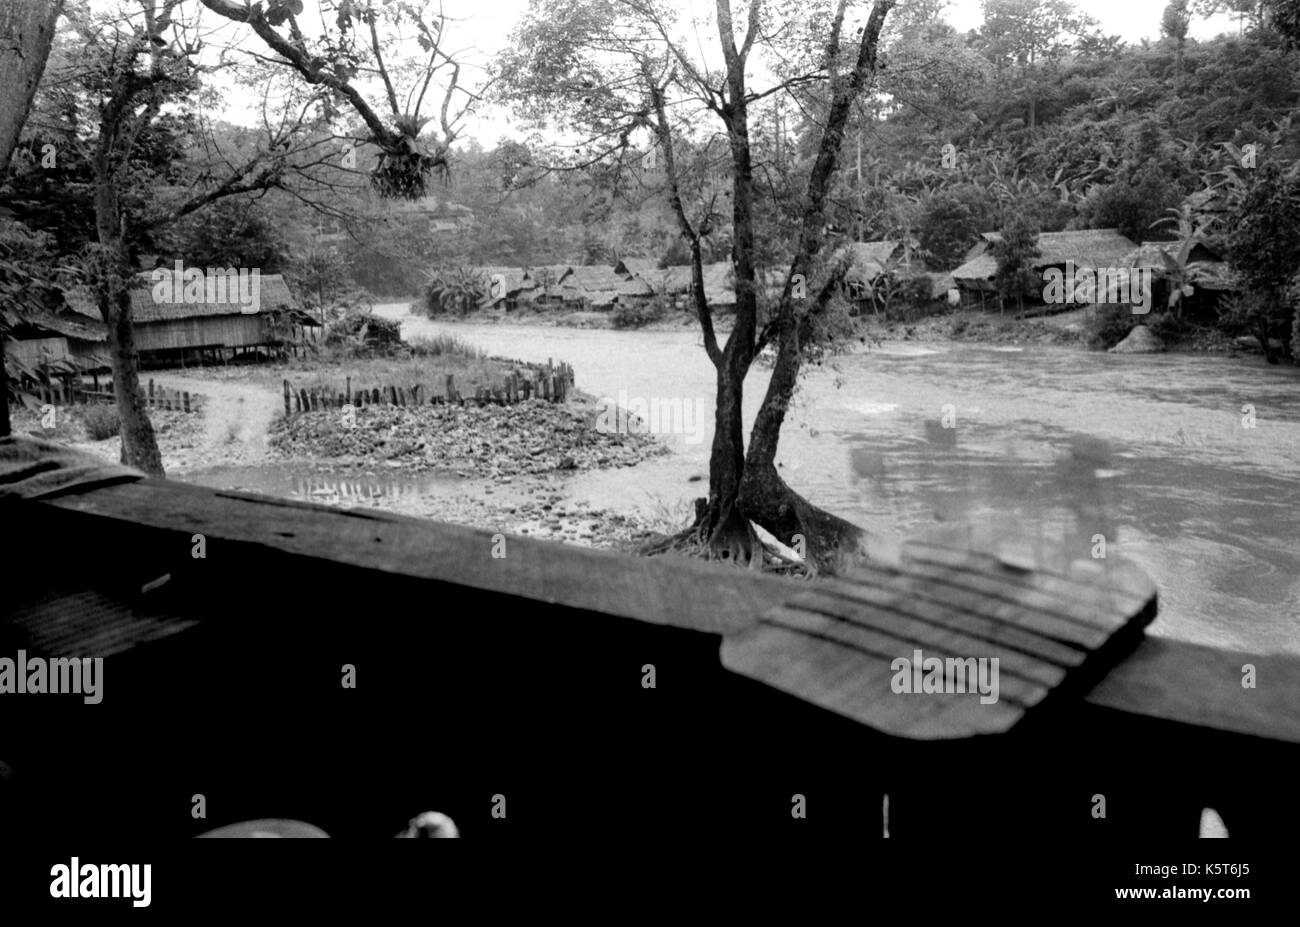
{"points": [[177, 330], [873, 274], [599, 287]]}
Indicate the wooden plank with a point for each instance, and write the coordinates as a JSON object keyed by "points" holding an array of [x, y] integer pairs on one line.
{"points": [[1054, 636], [661, 590], [872, 618], [1024, 681], [821, 674], [1194, 684], [1164, 678], [897, 633]]}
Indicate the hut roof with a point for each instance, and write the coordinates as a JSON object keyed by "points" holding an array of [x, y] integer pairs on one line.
{"points": [[940, 284], [553, 274], [677, 278], [869, 259], [515, 277], [636, 267], [272, 293], [596, 277], [1085, 247], [635, 286], [67, 323], [601, 298]]}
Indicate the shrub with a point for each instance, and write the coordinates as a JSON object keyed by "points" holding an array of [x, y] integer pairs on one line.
{"points": [[455, 291], [1168, 327], [638, 314], [360, 331], [101, 422], [1108, 325]]}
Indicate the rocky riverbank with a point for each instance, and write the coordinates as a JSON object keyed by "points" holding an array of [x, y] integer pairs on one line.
{"points": [[499, 468], [490, 442]]}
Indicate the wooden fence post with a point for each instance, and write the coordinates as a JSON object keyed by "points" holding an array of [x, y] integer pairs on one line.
{"points": [[349, 389], [186, 398], [451, 389], [287, 410], [151, 392]]}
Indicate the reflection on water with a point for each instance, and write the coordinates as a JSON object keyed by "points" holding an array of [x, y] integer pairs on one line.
{"points": [[321, 487]]}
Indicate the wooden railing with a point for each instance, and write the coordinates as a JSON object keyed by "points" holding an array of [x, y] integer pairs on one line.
{"points": [[487, 665]]}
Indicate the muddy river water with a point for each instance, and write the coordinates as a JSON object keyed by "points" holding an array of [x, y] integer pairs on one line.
{"points": [[1189, 465]]}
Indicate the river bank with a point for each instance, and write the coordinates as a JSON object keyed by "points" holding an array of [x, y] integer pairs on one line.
{"points": [[1070, 329]]}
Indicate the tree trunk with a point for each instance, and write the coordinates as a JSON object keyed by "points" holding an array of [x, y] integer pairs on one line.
{"points": [[26, 33], [719, 520], [764, 496], [139, 444], [1264, 339], [112, 288]]}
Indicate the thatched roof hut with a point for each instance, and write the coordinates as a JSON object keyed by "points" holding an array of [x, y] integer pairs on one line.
{"points": [[868, 260], [220, 310], [1083, 247]]}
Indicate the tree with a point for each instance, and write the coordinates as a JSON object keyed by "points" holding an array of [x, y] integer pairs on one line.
{"points": [[1247, 11], [1175, 23], [1283, 17], [615, 71], [231, 233], [1134, 205], [318, 276], [950, 223], [334, 60], [1019, 35], [1264, 250], [136, 69], [1015, 251], [26, 33]]}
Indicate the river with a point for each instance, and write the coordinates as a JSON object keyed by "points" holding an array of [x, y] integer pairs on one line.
{"points": [[1188, 465]]}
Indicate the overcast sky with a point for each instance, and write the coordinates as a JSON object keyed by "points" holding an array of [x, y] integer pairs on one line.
{"points": [[482, 28]]}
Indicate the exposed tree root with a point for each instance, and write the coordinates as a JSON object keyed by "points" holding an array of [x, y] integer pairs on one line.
{"points": [[734, 541]]}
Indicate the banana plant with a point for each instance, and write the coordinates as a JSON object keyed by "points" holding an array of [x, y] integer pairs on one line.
{"points": [[1180, 271]]}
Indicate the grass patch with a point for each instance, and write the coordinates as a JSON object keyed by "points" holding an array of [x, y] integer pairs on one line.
{"points": [[446, 346], [101, 421]]}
